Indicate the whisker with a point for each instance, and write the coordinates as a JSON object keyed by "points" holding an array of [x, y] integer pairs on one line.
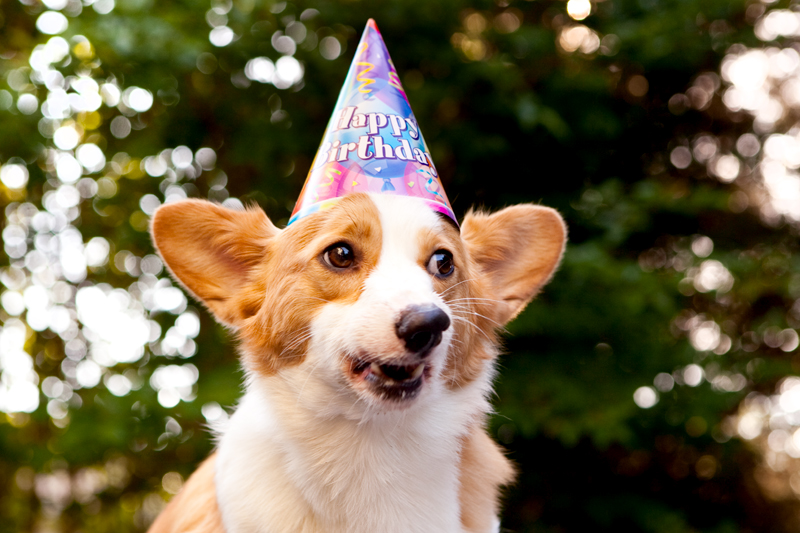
{"points": [[476, 299], [305, 332], [469, 322], [469, 311], [301, 336], [308, 377], [497, 324], [456, 285], [454, 340]]}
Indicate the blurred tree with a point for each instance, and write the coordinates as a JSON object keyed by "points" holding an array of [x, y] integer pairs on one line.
{"points": [[645, 390]]}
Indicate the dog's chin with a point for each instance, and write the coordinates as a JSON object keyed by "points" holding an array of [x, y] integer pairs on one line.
{"points": [[393, 386]]}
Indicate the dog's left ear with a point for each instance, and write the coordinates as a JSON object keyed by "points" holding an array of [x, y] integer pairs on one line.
{"points": [[517, 251], [212, 251]]}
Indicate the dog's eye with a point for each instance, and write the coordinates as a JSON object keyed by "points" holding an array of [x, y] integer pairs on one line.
{"points": [[441, 264], [339, 255]]}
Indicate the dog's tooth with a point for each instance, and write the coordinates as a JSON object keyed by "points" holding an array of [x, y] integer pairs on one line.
{"points": [[376, 369], [418, 371]]}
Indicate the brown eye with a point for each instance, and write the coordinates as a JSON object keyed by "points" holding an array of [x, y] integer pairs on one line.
{"points": [[441, 264], [339, 256]]}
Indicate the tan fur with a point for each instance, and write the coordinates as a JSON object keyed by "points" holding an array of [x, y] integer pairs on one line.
{"points": [[465, 293], [269, 284], [473, 324], [518, 250], [211, 250], [484, 469], [293, 284], [264, 282], [194, 509]]}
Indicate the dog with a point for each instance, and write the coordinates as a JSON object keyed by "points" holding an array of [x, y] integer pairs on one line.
{"points": [[368, 333]]}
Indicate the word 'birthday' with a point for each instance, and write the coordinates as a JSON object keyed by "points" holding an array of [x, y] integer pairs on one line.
{"points": [[372, 145]]}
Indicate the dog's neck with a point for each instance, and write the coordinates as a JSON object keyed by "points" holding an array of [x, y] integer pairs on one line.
{"points": [[297, 467]]}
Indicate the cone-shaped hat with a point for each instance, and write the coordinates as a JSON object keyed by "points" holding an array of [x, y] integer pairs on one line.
{"points": [[372, 142]]}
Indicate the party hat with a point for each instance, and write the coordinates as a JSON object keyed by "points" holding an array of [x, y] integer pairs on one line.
{"points": [[372, 142]]}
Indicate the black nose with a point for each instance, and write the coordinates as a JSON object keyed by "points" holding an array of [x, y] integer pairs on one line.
{"points": [[421, 327]]}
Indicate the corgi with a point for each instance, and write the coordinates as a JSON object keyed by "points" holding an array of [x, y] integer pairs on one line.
{"points": [[368, 333]]}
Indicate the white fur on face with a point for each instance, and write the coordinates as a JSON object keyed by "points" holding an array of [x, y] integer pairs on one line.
{"points": [[306, 452], [366, 329]]}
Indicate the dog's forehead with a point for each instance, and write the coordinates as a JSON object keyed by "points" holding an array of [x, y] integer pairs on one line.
{"points": [[405, 220], [374, 219]]}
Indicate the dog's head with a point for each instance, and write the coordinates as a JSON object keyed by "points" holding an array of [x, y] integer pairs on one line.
{"points": [[378, 299]]}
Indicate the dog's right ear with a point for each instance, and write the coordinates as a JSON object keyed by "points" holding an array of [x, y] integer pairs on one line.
{"points": [[211, 250]]}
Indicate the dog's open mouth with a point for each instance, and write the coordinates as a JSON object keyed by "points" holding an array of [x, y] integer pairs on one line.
{"points": [[391, 382]]}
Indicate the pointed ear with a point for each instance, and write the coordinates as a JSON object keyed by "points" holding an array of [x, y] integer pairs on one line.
{"points": [[517, 251], [211, 251]]}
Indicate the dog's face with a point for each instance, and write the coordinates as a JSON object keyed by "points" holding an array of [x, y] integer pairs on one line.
{"points": [[378, 299]]}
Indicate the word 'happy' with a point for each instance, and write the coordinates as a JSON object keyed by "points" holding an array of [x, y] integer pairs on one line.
{"points": [[372, 145]]}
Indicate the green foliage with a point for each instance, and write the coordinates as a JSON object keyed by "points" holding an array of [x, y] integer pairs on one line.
{"points": [[510, 116]]}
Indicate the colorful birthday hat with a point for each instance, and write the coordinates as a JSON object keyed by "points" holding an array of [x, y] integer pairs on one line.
{"points": [[372, 142]]}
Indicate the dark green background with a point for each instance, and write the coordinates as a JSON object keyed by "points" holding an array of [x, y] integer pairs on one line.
{"points": [[528, 122]]}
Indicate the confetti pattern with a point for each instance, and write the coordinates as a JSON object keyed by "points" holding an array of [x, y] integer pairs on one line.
{"points": [[372, 142]]}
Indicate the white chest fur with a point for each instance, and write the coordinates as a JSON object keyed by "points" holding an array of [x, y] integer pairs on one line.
{"points": [[283, 469]]}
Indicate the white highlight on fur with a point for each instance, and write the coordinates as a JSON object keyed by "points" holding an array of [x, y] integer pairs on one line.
{"points": [[305, 452]]}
